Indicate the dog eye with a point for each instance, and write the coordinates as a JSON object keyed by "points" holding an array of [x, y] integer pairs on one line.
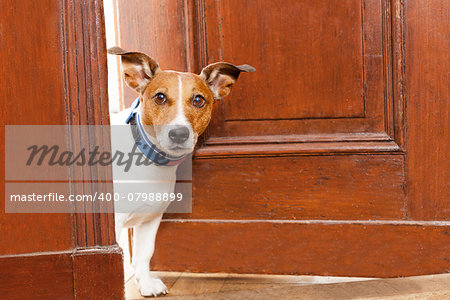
{"points": [[199, 101], [160, 98]]}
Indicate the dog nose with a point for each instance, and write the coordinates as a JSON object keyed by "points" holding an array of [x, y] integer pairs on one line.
{"points": [[179, 135]]}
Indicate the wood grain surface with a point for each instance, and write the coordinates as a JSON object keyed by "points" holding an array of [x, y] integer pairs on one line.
{"points": [[428, 139]]}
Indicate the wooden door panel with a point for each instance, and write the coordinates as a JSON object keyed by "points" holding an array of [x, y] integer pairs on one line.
{"points": [[308, 55], [322, 68], [309, 248], [303, 187], [310, 166], [161, 35]]}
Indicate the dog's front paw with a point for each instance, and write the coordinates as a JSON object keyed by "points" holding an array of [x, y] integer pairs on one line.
{"points": [[149, 286]]}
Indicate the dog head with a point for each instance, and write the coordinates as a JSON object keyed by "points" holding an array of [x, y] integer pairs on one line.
{"points": [[176, 107]]}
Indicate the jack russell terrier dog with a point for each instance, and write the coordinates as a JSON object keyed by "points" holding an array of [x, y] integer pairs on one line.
{"points": [[172, 110]]}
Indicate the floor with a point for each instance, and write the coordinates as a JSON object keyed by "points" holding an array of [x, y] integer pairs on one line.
{"points": [[233, 286], [184, 284], [218, 286], [192, 284]]}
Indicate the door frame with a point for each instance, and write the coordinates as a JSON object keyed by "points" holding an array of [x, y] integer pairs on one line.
{"points": [[93, 266]]}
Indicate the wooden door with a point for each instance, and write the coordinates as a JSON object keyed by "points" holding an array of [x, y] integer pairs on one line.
{"points": [[53, 68], [331, 159]]}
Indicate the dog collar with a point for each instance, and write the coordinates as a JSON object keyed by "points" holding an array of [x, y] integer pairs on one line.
{"points": [[155, 155]]}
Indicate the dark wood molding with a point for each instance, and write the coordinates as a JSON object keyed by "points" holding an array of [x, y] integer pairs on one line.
{"points": [[297, 138], [394, 64], [86, 102], [398, 71], [191, 43], [296, 149], [202, 47], [202, 55], [297, 145]]}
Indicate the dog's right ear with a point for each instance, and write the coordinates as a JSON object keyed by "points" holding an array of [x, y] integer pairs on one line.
{"points": [[138, 68]]}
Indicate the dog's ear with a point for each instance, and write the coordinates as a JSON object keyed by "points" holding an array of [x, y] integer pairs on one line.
{"points": [[221, 76], [138, 68]]}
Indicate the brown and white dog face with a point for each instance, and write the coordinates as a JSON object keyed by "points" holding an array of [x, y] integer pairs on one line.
{"points": [[175, 106]]}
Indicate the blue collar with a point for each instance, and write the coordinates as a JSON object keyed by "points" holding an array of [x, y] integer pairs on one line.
{"points": [[143, 143]]}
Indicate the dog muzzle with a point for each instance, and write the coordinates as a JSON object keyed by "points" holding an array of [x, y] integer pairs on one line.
{"points": [[147, 148]]}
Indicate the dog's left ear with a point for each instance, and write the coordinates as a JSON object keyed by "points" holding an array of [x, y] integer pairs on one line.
{"points": [[221, 76]]}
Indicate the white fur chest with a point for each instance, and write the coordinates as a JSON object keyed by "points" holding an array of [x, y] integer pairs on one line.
{"points": [[140, 183]]}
